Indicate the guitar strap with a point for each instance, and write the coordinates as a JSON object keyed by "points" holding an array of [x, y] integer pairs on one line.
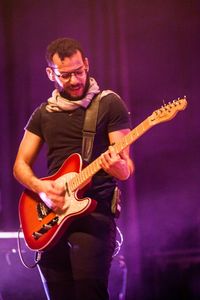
{"points": [[89, 128], [89, 131]]}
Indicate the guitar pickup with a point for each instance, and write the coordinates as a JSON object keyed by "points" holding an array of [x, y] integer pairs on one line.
{"points": [[36, 235], [45, 228]]}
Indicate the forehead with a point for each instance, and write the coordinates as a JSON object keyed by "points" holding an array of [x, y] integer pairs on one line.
{"points": [[68, 63]]}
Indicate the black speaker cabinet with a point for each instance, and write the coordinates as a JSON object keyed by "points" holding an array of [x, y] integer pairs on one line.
{"points": [[16, 281], [20, 283]]}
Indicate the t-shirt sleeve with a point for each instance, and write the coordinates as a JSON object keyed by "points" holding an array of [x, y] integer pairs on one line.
{"points": [[119, 117], [34, 125]]}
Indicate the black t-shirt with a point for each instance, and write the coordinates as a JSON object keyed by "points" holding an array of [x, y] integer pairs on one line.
{"points": [[62, 132]]}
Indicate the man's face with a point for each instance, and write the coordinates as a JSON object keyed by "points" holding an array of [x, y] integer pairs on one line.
{"points": [[70, 75]]}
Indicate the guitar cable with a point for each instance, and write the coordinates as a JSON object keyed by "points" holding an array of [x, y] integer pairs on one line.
{"points": [[38, 254], [118, 242], [19, 247]]}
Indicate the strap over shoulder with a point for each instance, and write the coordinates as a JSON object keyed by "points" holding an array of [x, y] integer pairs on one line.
{"points": [[89, 128], [90, 122]]}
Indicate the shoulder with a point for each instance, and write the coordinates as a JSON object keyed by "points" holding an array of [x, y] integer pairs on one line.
{"points": [[39, 111], [112, 101], [114, 111], [41, 108], [35, 118], [110, 96]]}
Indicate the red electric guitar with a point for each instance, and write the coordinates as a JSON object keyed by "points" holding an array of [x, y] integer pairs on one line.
{"points": [[41, 226]]}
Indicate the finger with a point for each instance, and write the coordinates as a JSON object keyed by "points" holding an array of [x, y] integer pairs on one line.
{"points": [[104, 160], [112, 152]]}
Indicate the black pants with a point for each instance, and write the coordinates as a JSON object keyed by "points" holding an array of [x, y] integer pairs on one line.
{"points": [[77, 268]]}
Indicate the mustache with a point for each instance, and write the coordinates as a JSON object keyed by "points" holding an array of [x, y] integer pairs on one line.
{"points": [[75, 86]]}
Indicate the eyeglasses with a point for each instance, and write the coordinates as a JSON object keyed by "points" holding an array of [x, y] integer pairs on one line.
{"points": [[66, 76]]}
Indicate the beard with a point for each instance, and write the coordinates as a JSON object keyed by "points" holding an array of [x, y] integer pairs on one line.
{"points": [[63, 92]]}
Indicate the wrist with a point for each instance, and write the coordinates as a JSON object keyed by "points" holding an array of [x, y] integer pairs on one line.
{"points": [[122, 172], [35, 184]]}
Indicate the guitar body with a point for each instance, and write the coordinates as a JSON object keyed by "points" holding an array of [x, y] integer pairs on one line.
{"points": [[41, 226]]}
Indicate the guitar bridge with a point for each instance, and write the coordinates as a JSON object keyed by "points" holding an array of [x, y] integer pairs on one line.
{"points": [[45, 228]]}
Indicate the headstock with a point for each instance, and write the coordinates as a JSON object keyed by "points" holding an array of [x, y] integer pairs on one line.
{"points": [[168, 111]]}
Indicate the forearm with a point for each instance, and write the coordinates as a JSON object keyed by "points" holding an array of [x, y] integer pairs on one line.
{"points": [[123, 169], [50, 192], [25, 175], [118, 165]]}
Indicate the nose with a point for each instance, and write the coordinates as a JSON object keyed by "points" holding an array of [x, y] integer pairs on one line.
{"points": [[73, 79]]}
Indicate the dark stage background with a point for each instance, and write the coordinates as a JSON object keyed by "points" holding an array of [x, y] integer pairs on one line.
{"points": [[146, 51]]}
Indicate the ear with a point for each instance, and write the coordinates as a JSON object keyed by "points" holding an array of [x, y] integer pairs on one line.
{"points": [[86, 63], [50, 74]]}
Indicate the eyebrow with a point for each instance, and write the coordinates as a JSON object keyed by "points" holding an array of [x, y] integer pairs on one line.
{"points": [[65, 72]]}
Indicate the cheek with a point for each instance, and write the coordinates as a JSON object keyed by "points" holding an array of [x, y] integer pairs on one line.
{"points": [[84, 81], [59, 84]]}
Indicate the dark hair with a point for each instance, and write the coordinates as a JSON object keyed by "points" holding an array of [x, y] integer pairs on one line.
{"points": [[64, 47]]}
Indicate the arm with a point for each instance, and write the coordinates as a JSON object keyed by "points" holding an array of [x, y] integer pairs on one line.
{"points": [[118, 165], [23, 172], [27, 153]]}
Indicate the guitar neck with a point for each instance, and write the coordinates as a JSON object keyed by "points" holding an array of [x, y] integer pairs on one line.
{"points": [[132, 136], [82, 178]]}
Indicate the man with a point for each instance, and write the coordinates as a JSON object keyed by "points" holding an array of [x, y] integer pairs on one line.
{"points": [[77, 267]]}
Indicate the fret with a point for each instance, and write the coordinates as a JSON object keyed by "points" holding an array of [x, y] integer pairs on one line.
{"points": [[71, 185], [75, 182], [96, 165], [84, 175], [136, 131], [140, 130], [93, 168], [79, 178], [131, 137]]}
